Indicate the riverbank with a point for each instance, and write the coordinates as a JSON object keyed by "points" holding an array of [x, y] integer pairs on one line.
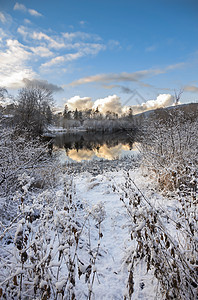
{"points": [[94, 230], [99, 167]]}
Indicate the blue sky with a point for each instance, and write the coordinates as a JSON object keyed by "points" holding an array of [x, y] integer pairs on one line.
{"points": [[96, 49]]}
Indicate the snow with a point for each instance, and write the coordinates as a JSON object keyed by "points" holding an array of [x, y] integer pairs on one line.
{"points": [[105, 245], [112, 273], [55, 129], [43, 283], [60, 284], [105, 228], [109, 265], [18, 231]]}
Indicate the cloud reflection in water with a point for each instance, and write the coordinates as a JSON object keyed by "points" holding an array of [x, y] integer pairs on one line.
{"points": [[104, 152]]}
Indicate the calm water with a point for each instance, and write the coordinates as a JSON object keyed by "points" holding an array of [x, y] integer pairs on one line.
{"points": [[94, 146]]}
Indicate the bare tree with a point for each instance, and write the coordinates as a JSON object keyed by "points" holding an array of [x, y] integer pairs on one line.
{"points": [[34, 105], [178, 96]]}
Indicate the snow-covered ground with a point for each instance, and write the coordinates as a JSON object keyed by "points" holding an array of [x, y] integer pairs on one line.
{"points": [[116, 248], [56, 129], [111, 276], [80, 238], [112, 271]]}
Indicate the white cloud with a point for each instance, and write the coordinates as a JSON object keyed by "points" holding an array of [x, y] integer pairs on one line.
{"points": [[2, 17], [113, 44], [174, 66], [34, 13], [79, 103], [27, 21], [54, 61], [69, 35], [91, 49], [59, 46], [22, 30], [2, 34], [41, 51], [13, 65], [80, 36], [163, 100], [110, 103], [15, 70], [23, 8], [40, 36], [71, 56], [82, 23], [67, 40], [20, 7], [52, 42]]}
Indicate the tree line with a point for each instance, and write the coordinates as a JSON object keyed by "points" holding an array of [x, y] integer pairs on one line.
{"points": [[32, 110], [94, 120]]}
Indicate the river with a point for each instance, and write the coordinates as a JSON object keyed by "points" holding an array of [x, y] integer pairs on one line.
{"points": [[83, 146]]}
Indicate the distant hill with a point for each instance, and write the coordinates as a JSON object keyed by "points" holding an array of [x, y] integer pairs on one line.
{"points": [[187, 108]]}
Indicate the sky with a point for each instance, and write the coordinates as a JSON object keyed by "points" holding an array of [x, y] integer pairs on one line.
{"points": [[116, 52]]}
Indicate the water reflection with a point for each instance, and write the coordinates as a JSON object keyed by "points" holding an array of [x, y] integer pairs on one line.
{"points": [[79, 155], [84, 146]]}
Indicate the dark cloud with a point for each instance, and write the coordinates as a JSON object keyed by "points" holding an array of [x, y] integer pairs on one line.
{"points": [[114, 77], [191, 88], [124, 76], [126, 90], [42, 84]]}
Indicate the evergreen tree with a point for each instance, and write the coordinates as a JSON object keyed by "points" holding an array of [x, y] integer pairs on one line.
{"points": [[65, 113], [49, 115], [76, 114]]}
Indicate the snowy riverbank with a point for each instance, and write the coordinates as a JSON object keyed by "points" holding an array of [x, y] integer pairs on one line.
{"points": [[83, 236], [119, 229]]}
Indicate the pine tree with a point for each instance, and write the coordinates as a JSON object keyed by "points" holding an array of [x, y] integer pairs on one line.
{"points": [[76, 114]]}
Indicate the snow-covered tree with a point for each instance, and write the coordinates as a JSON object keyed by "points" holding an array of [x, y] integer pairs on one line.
{"points": [[33, 108], [164, 234]]}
